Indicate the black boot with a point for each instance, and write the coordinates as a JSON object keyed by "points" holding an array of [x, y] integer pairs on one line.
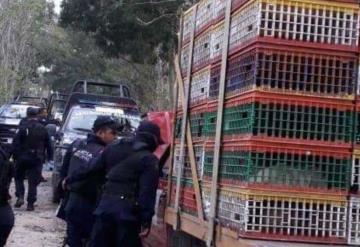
{"points": [[19, 203], [30, 207]]}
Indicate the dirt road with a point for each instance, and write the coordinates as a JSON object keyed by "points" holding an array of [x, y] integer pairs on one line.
{"points": [[39, 228]]}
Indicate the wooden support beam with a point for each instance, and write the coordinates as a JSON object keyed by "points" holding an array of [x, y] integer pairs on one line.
{"points": [[219, 120], [185, 104], [176, 98], [191, 152]]}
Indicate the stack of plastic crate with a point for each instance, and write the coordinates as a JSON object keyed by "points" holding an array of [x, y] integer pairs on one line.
{"points": [[354, 198], [286, 166]]}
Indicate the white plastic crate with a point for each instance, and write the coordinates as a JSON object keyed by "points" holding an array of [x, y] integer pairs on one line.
{"points": [[354, 221], [244, 25], [219, 9], [232, 209], [204, 14], [200, 86], [313, 22], [185, 55], [202, 46], [188, 22], [217, 36], [265, 215], [199, 157], [317, 22]]}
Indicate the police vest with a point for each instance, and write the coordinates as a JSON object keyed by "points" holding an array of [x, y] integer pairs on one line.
{"points": [[82, 154], [33, 139], [122, 179]]}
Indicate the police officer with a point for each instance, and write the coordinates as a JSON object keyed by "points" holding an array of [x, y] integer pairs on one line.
{"points": [[6, 213], [31, 145], [126, 207], [83, 195]]}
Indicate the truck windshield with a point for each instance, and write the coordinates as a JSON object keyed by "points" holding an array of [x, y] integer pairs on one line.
{"points": [[14, 111], [82, 119]]}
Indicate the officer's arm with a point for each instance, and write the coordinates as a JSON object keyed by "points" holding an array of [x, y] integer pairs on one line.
{"points": [[96, 168], [49, 148], [15, 147], [66, 162], [148, 182]]}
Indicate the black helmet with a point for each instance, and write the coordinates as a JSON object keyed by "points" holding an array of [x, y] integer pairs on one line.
{"points": [[107, 121], [32, 112], [149, 128]]}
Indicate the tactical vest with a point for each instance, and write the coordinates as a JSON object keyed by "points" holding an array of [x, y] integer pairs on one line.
{"points": [[33, 139], [122, 179], [83, 153]]}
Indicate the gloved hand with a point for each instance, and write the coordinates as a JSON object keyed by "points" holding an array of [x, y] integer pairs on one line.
{"points": [[145, 231]]}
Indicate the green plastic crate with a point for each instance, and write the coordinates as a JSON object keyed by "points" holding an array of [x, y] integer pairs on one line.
{"points": [[284, 121], [290, 169]]}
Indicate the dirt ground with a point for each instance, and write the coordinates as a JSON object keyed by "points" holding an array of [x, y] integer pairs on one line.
{"points": [[39, 228]]}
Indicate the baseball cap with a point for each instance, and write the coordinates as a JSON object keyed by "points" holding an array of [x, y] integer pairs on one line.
{"points": [[32, 112], [107, 121], [148, 127]]}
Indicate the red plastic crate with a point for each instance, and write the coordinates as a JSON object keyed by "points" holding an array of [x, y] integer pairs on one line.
{"points": [[187, 198]]}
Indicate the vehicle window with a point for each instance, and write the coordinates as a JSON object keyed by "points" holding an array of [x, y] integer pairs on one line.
{"points": [[83, 119], [14, 111], [126, 91]]}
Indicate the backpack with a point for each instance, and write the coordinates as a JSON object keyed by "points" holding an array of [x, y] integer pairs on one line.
{"points": [[32, 145]]}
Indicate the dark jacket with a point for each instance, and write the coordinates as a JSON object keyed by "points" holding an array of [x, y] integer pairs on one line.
{"points": [[148, 176], [40, 141], [77, 158], [6, 174]]}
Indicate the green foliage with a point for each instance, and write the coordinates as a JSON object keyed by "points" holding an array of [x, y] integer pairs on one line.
{"points": [[143, 29]]}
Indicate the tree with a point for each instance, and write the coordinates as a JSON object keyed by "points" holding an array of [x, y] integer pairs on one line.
{"points": [[20, 22], [135, 28]]}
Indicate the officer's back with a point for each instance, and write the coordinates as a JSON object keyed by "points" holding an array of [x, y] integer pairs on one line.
{"points": [[130, 170], [6, 213], [83, 194], [32, 140]]}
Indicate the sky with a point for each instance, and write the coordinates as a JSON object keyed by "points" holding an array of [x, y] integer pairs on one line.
{"points": [[57, 6]]}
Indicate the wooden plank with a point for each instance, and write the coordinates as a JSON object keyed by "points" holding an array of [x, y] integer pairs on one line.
{"points": [[176, 98], [227, 237], [190, 148], [213, 198], [184, 119]]}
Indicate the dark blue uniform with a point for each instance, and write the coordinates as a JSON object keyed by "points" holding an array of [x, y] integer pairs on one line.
{"points": [[6, 213], [83, 194], [128, 200], [31, 147]]}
